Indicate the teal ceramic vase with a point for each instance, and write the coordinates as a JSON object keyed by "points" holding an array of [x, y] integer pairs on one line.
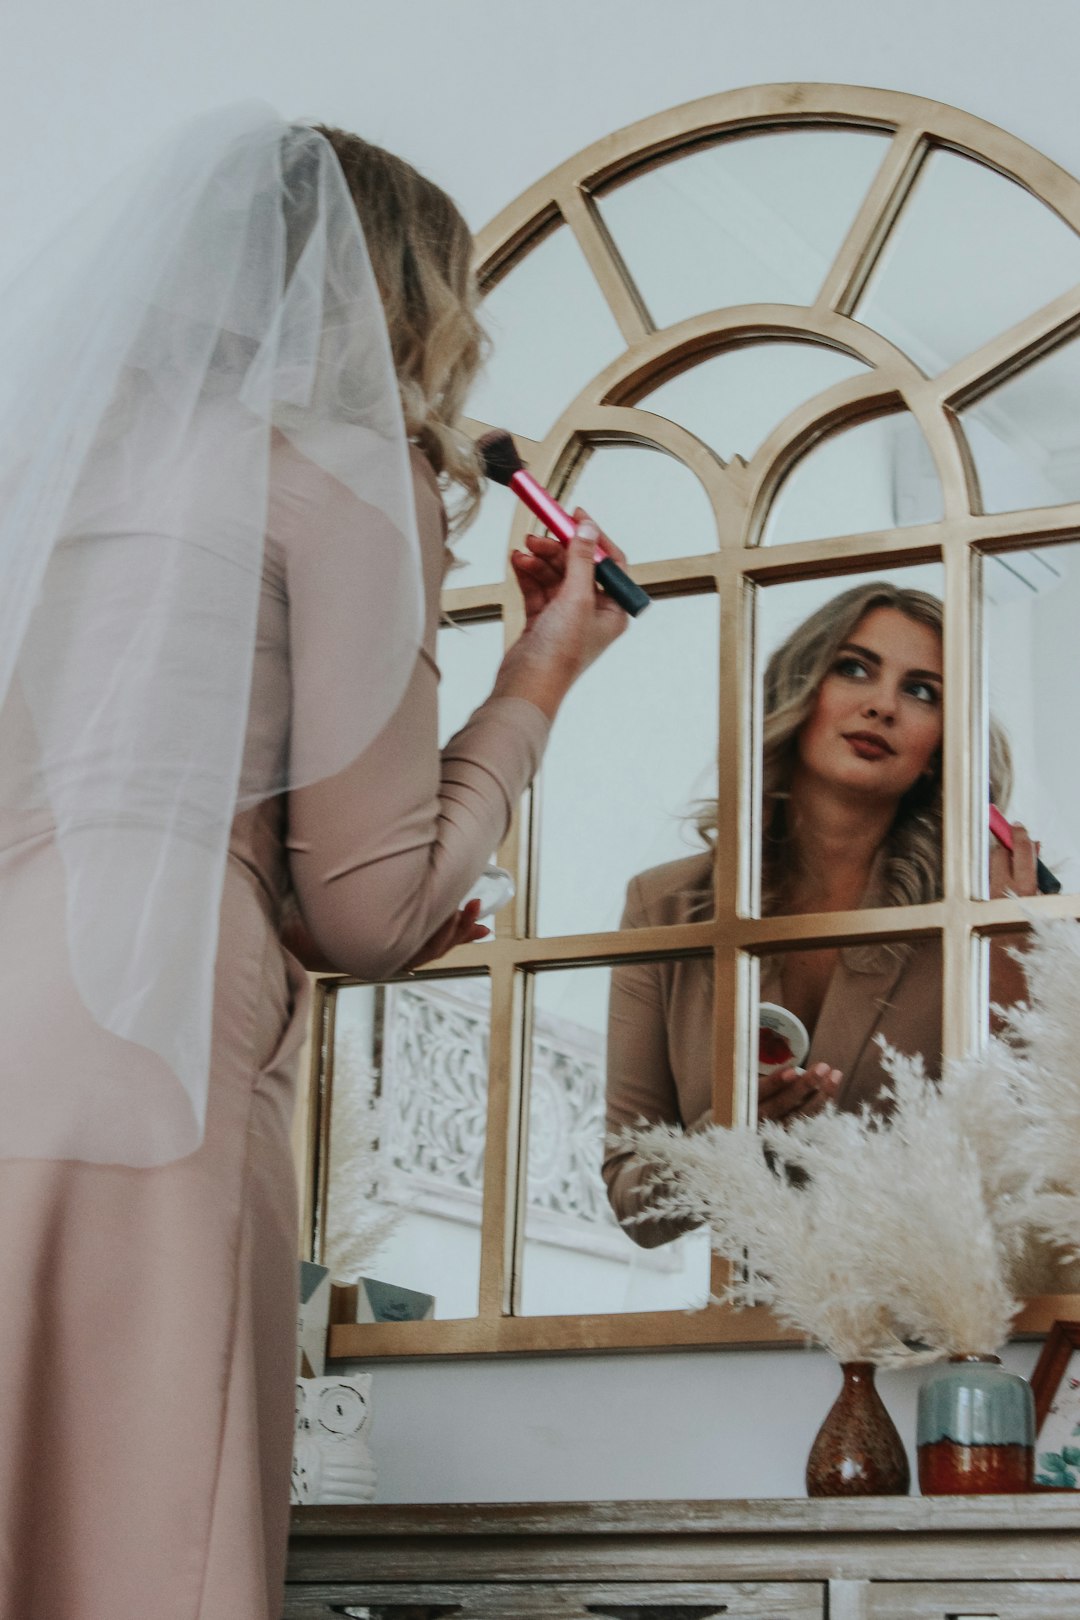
{"points": [[976, 1429]]}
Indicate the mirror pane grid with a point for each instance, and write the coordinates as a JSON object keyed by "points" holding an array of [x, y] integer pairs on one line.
{"points": [[596, 1061], [751, 219], [869, 477], [650, 504], [931, 295], [733, 400], [553, 331]]}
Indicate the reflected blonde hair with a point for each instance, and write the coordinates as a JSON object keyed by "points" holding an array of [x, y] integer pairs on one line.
{"points": [[793, 676], [421, 252]]}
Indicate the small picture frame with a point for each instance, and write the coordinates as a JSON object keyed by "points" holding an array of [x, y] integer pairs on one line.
{"points": [[1055, 1383]]}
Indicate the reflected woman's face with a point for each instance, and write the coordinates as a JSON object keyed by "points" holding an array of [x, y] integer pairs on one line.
{"points": [[877, 721]]}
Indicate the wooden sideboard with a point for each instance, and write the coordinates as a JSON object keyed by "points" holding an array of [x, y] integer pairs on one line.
{"points": [[883, 1558]]}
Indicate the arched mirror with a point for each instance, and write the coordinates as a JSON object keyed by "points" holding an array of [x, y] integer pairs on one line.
{"points": [[783, 344]]}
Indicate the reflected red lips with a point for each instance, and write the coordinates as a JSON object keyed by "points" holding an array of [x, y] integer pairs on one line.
{"points": [[868, 745]]}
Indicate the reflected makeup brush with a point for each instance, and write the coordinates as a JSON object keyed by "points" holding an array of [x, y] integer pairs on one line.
{"points": [[504, 466], [1047, 882]]}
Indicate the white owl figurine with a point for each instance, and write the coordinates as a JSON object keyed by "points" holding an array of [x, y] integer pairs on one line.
{"points": [[332, 1461]]}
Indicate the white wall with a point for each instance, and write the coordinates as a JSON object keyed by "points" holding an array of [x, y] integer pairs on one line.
{"points": [[683, 1425], [486, 95]]}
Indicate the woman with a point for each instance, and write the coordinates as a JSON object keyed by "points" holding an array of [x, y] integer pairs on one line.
{"points": [[852, 814], [221, 545]]}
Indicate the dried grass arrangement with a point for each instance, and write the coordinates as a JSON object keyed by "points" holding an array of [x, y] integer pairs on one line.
{"points": [[893, 1239]]}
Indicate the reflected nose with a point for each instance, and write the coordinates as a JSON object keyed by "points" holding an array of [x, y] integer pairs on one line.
{"points": [[881, 709]]}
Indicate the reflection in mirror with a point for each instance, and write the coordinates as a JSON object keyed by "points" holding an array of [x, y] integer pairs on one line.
{"points": [[1031, 607], [649, 503], [1024, 435], [873, 476], [1042, 1268], [933, 294], [756, 219], [469, 655], [733, 400], [851, 675], [407, 1125], [577, 1260], [634, 748], [552, 332], [830, 1005]]}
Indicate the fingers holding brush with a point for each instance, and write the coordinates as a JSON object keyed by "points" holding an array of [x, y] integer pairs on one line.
{"points": [[568, 622], [539, 572], [541, 569], [606, 544]]}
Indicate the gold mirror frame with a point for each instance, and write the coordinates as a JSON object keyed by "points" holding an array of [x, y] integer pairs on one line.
{"points": [[740, 494]]}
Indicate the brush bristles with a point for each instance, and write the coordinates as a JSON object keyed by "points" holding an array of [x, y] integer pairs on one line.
{"points": [[498, 452]]}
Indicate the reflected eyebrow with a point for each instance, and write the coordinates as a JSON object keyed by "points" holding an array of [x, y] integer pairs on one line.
{"points": [[875, 658]]}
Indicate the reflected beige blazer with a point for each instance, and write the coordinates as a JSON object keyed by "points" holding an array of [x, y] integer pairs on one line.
{"points": [[659, 1054]]}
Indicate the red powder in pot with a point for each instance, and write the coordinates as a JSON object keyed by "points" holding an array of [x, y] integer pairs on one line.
{"points": [[772, 1049]]}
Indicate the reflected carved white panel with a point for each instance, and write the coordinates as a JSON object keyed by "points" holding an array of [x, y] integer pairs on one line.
{"points": [[430, 1062]]}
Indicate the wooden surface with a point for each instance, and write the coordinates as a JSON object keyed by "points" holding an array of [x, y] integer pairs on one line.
{"points": [[887, 1539], [682, 1600]]}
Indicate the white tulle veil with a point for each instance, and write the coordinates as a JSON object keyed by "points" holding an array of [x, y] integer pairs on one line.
{"points": [[221, 295]]}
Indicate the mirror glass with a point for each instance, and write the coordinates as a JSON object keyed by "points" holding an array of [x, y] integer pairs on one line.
{"points": [[972, 254], [577, 1258], [856, 699], [634, 748], [829, 1006], [480, 551], [408, 1124], [650, 504], [858, 480], [755, 219], [1023, 436], [1031, 602], [733, 400], [469, 655], [541, 359]]}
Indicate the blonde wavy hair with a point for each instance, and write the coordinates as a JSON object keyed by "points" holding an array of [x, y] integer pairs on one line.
{"points": [[793, 675], [421, 252]]}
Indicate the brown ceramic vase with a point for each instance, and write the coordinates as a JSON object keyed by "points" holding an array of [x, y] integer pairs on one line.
{"points": [[858, 1451]]}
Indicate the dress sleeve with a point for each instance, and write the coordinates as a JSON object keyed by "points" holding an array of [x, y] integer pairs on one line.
{"points": [[381, 854], [640, 1084]]}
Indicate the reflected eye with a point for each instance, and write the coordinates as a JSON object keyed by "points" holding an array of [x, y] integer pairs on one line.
{"points": [[852, 667]]}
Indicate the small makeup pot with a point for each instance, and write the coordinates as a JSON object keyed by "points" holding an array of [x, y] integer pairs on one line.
{"points": [[494, 888], [782, 1039]]}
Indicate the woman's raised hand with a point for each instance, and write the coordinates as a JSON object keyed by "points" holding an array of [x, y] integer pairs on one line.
{"points": [[797, 1092], [461, 928], [1013, 871], [568, 621]]}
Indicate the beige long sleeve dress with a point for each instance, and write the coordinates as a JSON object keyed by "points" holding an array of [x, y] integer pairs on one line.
{"points": [[148, 1316]]}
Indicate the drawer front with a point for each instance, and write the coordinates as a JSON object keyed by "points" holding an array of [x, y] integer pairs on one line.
{"points": [[673, 1600], [973, 1600]]}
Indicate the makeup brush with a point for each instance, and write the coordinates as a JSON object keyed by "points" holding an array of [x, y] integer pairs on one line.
{"points": [[504, 466], [1044, 878]]}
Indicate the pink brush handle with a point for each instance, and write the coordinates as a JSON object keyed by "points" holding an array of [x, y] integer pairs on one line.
{"points": [[550, 513], [1000, 828]]}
